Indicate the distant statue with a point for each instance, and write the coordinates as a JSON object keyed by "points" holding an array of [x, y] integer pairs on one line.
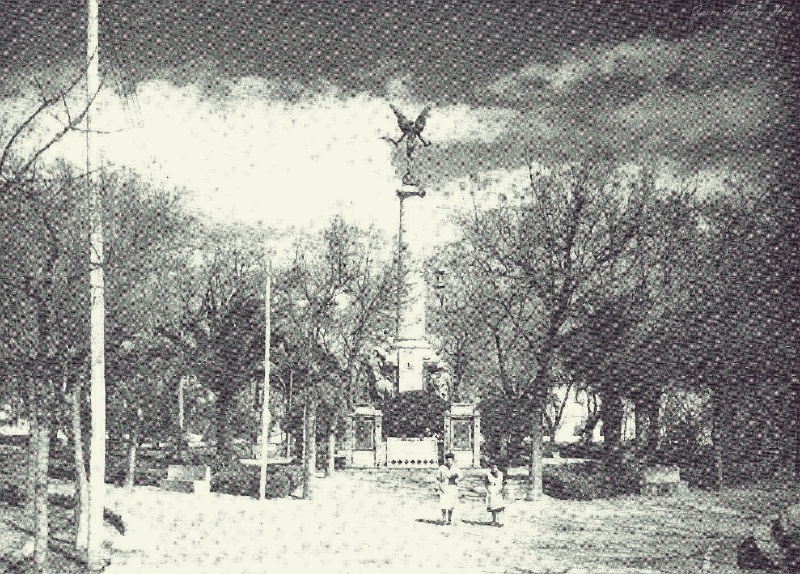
{"points": [[411, 130], [439, 381], [380, 372]]}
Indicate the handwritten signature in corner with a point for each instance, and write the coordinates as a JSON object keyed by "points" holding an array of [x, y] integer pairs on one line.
{"points": [[741, 9]]}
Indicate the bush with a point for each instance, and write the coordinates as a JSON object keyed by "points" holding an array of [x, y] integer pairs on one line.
{"points": [[590, 480], [580, 449], [696, 462], [414, 414], [149, 472], [61, 464], [12, 495], [15, 440], [243, 480]]}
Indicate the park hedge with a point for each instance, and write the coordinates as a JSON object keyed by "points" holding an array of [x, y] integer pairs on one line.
{"points": [[243, 480]]}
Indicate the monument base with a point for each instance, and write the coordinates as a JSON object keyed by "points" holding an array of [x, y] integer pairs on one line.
{"points": [[413, 358]]}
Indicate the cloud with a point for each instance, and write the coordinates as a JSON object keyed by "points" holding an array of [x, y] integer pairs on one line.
{"points": [[713, 97], [256, 149], [461, 123], [649, 58], [536, 76]]}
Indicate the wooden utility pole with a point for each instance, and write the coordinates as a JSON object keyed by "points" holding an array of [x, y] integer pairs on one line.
{"points": [[288, 410], [97, 461], [262, 485]]}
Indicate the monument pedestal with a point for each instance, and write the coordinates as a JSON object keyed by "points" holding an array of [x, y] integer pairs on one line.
{"points": [[414, 357], [462, 434], [365, 435]]}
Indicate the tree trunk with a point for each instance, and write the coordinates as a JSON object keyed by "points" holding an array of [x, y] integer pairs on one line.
{"points": [[654, 423], [41, 530], [717, 437], [796, 399], [504, 450], [592, 418], [310, 449], [180, 405], [551, 427], [646, 421], [612, 420], [331, 453], [81, 480], [130, 477], [180, 436], [559, 414], [641, 424], [535, 468], [224, 406], [33, 450], [286, 414]]}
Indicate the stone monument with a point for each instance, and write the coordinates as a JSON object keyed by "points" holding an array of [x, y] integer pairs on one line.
{"points": [[411, 353], [411, 356]]}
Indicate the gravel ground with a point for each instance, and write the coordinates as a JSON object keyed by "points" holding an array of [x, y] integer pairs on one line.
{"points": [[368, 521]]}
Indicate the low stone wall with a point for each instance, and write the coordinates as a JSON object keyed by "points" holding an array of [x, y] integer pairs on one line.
{"points": [[412, 452]]}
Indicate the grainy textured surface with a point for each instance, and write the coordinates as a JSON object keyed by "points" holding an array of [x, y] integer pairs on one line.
{"points": [[600, 225], [387, 519]]}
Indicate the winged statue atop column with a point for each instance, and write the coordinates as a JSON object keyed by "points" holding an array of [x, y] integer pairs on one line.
{"points": [[411, 132]]}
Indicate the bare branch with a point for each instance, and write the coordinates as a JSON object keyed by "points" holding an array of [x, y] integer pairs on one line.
{"points": [[45, 104]]}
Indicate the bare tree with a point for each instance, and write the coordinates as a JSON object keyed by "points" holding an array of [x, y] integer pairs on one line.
{"points": [[18, 164], [546, 252], [342, 298], [19, 160]]}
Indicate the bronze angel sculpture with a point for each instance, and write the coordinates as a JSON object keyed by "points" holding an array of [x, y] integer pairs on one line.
{"points": [[411, 130]]}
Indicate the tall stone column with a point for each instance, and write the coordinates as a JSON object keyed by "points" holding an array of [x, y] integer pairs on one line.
{"points": [[411, 324], [411, 347], [411, 350]]}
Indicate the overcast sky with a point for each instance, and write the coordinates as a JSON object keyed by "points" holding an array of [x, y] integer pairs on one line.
{"points": [[274, 110]]}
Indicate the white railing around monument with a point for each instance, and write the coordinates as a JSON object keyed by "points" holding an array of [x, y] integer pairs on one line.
{"points": [[412, 452]]}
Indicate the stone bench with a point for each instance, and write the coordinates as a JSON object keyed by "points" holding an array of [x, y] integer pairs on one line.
{"points": [[662, 480], [188, 478]]}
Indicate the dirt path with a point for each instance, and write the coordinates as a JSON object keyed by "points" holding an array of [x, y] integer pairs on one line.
{"points": [[385, 521], [368, 523]]}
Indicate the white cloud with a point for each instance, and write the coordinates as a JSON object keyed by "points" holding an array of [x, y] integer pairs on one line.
{"points": [[463, 123], [247, 155], [654, 58], [559, 78]]}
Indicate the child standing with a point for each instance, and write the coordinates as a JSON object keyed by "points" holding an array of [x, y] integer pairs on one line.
{"points": [[494, 493], [448, 476]]}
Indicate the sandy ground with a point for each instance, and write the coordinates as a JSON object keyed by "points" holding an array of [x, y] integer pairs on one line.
{"points": [[386, 521]]}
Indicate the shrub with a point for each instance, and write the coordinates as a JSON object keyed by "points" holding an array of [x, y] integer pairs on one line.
{"points": [[295, 474], [564, 483], [696, 462], [590, 450], [12, 495], [413, 414], [591, 480], [14, 440], [243, 480], [149, 472], [61, 464]]}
